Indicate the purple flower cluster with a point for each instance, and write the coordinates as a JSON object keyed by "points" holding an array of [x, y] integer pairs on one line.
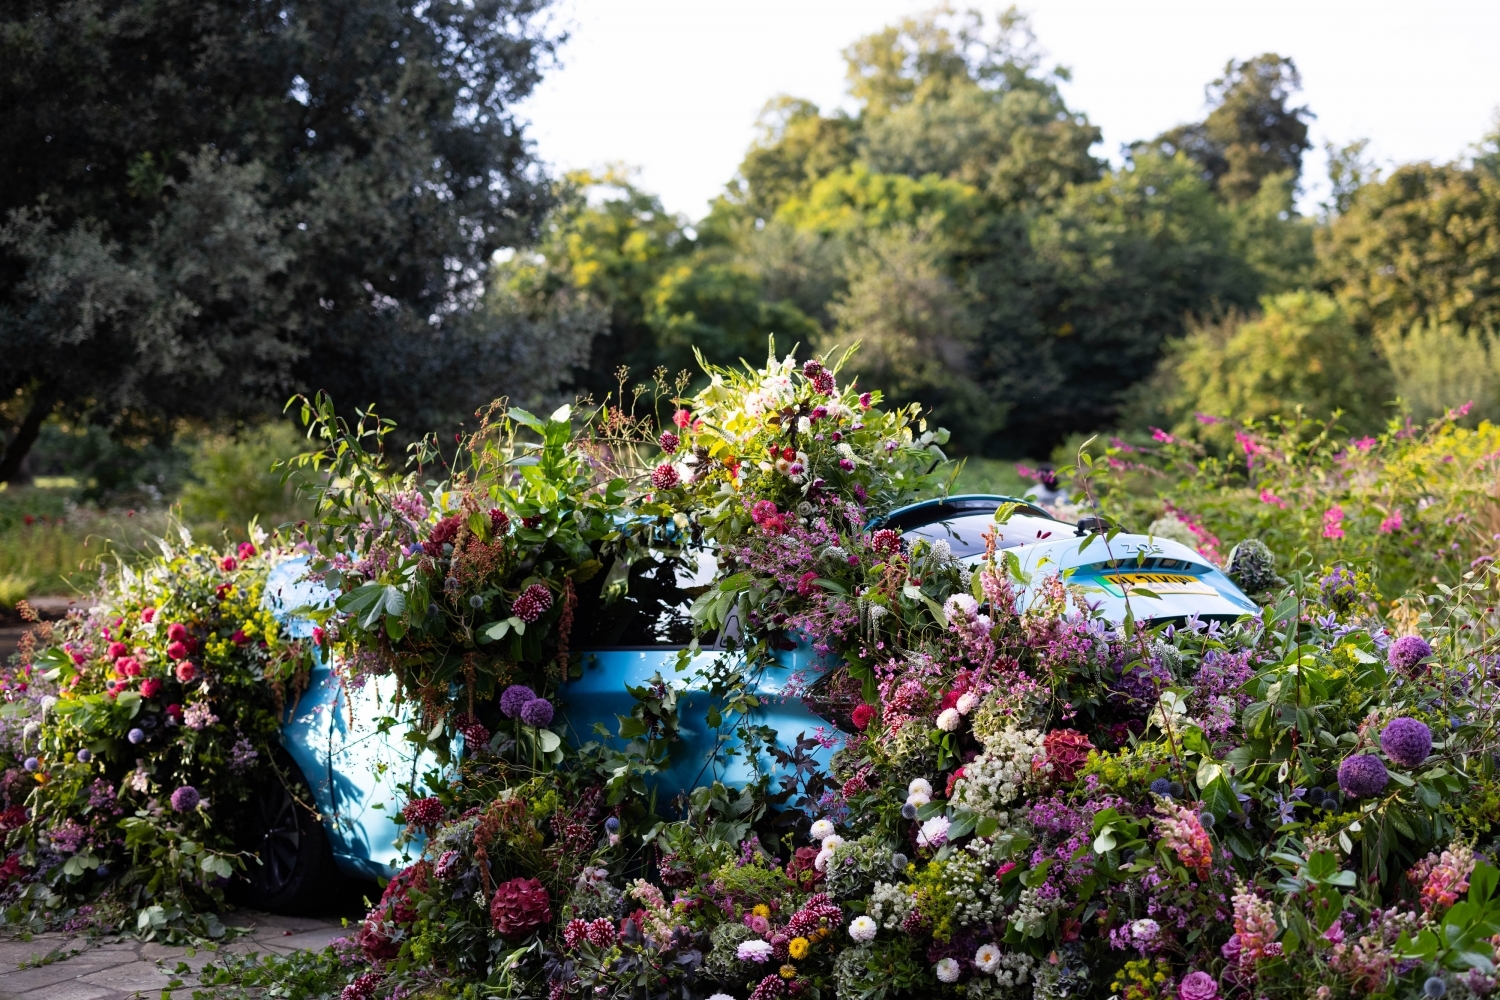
{"points": [[1407, 652], [1139, 685], [1363, 776], [186, 799], [520, 702], [1406, 741]]}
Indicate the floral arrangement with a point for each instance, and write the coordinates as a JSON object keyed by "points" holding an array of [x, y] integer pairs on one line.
{"points": [[1034, 803], [147, 717]]}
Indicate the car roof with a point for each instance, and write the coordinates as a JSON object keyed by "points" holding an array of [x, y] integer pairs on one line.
{"points": [[943, 508]]}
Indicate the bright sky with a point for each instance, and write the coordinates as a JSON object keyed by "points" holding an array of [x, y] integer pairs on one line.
{"points": [[673, 87]]}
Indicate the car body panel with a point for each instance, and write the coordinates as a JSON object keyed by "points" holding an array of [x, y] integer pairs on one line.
{"points": [[1156, 578], [334, 734]]}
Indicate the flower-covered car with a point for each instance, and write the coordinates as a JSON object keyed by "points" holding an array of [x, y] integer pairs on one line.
{"points": [[350, 741]]}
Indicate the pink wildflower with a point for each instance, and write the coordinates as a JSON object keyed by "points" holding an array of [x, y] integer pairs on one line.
{"points": [[1333, 522], [1443, 878], [1392, 524], [1266, 496], [1255, 929], [1183, 832]]}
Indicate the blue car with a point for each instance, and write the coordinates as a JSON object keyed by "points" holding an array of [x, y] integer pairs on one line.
{"points": [[353, 765]]}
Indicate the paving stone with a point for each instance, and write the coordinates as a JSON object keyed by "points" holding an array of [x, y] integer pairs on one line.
{"points": [[63, 991], [143, 976], [57, 972]]}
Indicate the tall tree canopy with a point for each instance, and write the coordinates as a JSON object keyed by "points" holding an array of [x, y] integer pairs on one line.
{"points": [[207, 203], [956, 223]]}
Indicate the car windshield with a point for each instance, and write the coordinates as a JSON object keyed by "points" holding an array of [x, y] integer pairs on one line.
{"points": [[966, 533], [655, 606]]}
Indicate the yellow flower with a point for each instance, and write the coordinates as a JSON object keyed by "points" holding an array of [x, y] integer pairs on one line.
{"points": [[788, 972], [761, 910], [798, 948]]}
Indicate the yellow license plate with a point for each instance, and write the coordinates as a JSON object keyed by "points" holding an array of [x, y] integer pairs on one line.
{"points": [[1157, 583]]}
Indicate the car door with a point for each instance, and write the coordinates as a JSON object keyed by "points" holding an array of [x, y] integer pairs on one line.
{"points": [[631, 637]]}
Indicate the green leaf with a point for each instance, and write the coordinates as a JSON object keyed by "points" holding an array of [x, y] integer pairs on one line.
{"points": [[548, 740]]}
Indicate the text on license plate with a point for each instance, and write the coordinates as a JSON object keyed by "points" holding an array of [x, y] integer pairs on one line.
{"points": [[1160, 583]]}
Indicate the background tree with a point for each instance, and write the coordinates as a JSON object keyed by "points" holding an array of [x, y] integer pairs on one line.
{"points": [[209, 204]]}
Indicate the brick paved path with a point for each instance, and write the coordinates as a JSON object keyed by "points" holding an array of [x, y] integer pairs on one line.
{"points": [[117, 969]]}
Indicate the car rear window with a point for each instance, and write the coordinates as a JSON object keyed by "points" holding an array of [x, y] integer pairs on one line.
{"points": [[655, 608], [966, 533]]}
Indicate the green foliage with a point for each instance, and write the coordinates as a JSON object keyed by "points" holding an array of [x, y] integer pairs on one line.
{"points": [[1301, 350], [1413, 505], [244, 203], [1251, 135], [170, 686], [233, 480], [1420, 246], [1437, 365]]}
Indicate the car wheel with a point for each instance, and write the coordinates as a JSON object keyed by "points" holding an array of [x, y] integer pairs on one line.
{"points": [[293, 853]]}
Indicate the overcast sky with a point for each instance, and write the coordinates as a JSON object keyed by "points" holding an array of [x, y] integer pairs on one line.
{"points": [[672, 88]]}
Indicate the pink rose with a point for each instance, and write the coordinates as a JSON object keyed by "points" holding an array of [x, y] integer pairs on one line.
{"points": [[1198, 986]]}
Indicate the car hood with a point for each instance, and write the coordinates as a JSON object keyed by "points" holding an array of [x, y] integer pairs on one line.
{"points": [[1156, 578]]}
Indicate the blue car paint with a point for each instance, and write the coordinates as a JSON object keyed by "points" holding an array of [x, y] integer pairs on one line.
{"points": [[333, 735], [354, 769]]}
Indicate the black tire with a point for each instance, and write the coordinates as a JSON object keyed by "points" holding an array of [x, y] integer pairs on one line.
{"points": [[295, 862]]}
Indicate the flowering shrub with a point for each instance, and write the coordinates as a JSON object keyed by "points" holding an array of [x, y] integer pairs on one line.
{"points": [[148, 713], [1413, 506]]}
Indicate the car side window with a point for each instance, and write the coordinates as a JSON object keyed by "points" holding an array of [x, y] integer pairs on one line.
{"points": [[655, 609], [965, 534]]}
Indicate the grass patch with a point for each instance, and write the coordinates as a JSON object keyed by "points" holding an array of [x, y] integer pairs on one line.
{"points": [[991, 475]]}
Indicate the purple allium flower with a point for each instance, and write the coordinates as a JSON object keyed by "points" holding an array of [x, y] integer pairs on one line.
{"points": [[1408, 651], [1339, 589], [186, 799], [514, 698], [537, 712], [1406, 741], [1363, 776]]}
